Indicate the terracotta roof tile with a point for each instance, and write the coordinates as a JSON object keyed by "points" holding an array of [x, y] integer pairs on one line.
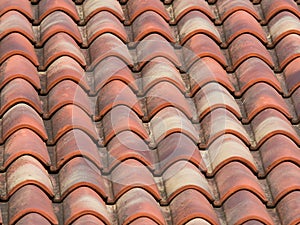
{"points": [[33, 218], [292, 77], [288, 208], [296, 97], [88, 219], [22, 6]]}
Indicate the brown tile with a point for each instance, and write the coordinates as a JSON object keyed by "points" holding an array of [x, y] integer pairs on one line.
{"points": [[296, 100], [143, 220], [88, 219], [33, 218], [292, 75], [289, 208], [22, 6]]}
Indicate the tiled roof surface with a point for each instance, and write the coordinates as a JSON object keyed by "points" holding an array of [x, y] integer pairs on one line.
{"points": [[148, 112]]}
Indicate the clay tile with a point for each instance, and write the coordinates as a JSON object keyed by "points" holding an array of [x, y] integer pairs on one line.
{"points": [[246, 46], [150, 22], [171, 120], [70, 117], [289, 49], [228, 7], [243, 206], [113, 68], [131, 208], [271, 8], [121, 118], [144, 221], [241, 22], [88, 219], [116, 93], [47, 7], [233, 177], [80, 172], [136, 8], [25, 142], [283, 179], [163, 95], [62, 44], [270, 122], [229, 148], [177, 147], [22, 6], [221, 121], [262, 96], [289, 208], [191, 204], [292, 75], [105, 22], [161, 69], [283, 24], [254, 70], [92, 7], [64, 93], [27, 170], [17, 91], [22, 116], [182, 8], [296, 100], [212, 96], [200, 46], [133, 174], [126, 145], [17, 44], [30, 199], [182, 176], [108, 45], [33, 218], [84, 201], [154, 46], [76, 143], [196, 22], [14, 21], [65, 68], [58, 22]]}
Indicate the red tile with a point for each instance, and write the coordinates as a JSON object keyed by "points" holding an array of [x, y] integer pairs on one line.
{"points": [[22, 6], [255, 70], [191, 204], [65, 68], [25, 142], [171, 120], [292, 75], [234, 177], [144, 221], [113, 68], [122, 118], [59, 45], [181, 8], [212, 96], [132, 174], [153, 46], [261, 96], [288, 49], [22, 116], [58, 22], [71, 117], [88, 219], [108, 45], [246, 46], [164, 95], [198, 221], [80, 172], [92, 7], [182, 176], [14, 21], [116, 93], [137, 7], [241, 22], [178, 147], [296, 100], [243, 206], [17, 44], [196, 22], [84, 201], [150, 22], [47, 7], [105, 22], [289, 208], [27, 170], [200, 46], [226, 149], [33, 218], [130, 208], [206, 70], [30, 199], [76, 143], [19, 91]]}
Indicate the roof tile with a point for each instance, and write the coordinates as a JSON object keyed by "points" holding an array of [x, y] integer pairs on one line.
{"points": [[289, 208], [90, 219], [22, 6], [33, 218], [296, 99], [292, 78]]}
